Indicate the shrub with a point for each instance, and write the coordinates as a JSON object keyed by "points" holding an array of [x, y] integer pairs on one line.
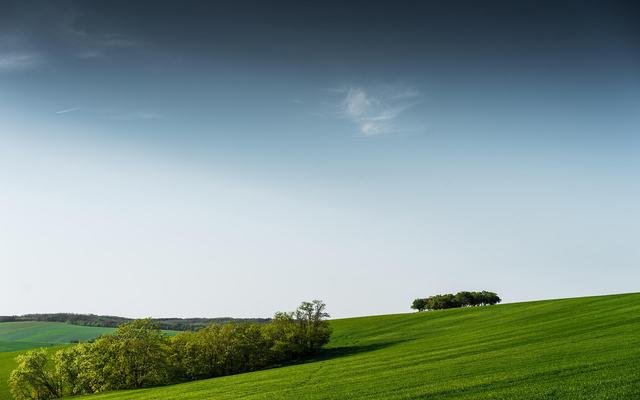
{"points": [[34, 378], [138, 354], [460, 299]]}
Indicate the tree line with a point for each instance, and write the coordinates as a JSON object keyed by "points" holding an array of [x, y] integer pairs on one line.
{"points": [[138, 354], [460, 299], [110, 321]]}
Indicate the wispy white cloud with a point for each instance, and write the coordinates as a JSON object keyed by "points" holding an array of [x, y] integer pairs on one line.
{"points": [[96, 42], [18, 61], [93, 43], [17, 53], [114, 114], [68, 110], [375, 111]]}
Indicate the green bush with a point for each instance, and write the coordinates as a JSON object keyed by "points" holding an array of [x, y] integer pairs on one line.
{"points": [[139, 355], [460, 299]]}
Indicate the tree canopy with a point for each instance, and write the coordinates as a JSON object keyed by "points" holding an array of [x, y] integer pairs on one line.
{"points": [[138, 354], [460, 299]]}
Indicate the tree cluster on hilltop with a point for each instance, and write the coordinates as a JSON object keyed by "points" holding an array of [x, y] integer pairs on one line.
{"points": [[460, 299], [110, 321], [138, 354]]}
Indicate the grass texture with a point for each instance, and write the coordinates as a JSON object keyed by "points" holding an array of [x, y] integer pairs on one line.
{"points": [[43, 333], [583, 348]]}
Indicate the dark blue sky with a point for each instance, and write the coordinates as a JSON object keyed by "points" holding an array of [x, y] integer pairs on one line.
{"points": [[405, 148]]}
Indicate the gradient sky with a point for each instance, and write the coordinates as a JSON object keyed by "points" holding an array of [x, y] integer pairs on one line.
{"points": [[196, 158]]}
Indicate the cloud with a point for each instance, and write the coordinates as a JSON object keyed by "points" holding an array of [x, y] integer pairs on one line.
{"points": [[91, 43], [376, 111], [68, 110], [114, 114], [97, 41], [357, 103], [18, 61]]}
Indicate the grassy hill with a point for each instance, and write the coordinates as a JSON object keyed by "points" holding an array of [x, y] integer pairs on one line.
{"points": [[39, 334], [585, 348]]}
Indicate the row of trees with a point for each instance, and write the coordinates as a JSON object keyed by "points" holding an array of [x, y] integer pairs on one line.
{"points": [[138, 354], [460, 299], [109, 321]]}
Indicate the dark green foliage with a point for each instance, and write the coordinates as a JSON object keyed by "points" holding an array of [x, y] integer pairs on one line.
{"points": [[315, 330], [460, 299], [134, 356], [219, 350], [419, 304], [285, 336], [138, 354], [232, 348]]}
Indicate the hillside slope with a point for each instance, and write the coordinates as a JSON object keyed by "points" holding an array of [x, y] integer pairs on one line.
{"points": [[585, 348], [38, 334]]}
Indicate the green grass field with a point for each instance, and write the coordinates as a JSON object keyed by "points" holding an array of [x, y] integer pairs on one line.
{"points": [[585, 348], [43, 333]]}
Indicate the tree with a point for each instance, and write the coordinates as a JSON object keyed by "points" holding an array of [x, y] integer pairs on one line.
{"points": [[460, 299], [188, 358], [419, 304], [490, 298], [134, 356], [246, 348], [443, 301], [316, 331], [34, 378], [464, 299], [71, 370], [285, 337], [138, 354]]}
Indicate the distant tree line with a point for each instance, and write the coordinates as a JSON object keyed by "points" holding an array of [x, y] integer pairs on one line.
{"points": [[109, 321], [138, 354], [460, 299]]}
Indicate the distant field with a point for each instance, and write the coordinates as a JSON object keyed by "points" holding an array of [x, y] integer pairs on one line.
{"points": [[14, 346], [43, 333], [582, 349]]}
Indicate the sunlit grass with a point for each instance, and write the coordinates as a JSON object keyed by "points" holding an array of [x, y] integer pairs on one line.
{"points": [[586, 348]]}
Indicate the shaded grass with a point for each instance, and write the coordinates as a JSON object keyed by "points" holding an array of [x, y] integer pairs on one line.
{"points": [[585, 348]]}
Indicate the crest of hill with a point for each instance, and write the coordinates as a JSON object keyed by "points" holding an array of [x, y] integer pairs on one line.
{"points": [[109, 321], [569, 349]]}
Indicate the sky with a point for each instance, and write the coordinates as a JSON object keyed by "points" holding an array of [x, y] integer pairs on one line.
{"points": [[234, 158]]}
